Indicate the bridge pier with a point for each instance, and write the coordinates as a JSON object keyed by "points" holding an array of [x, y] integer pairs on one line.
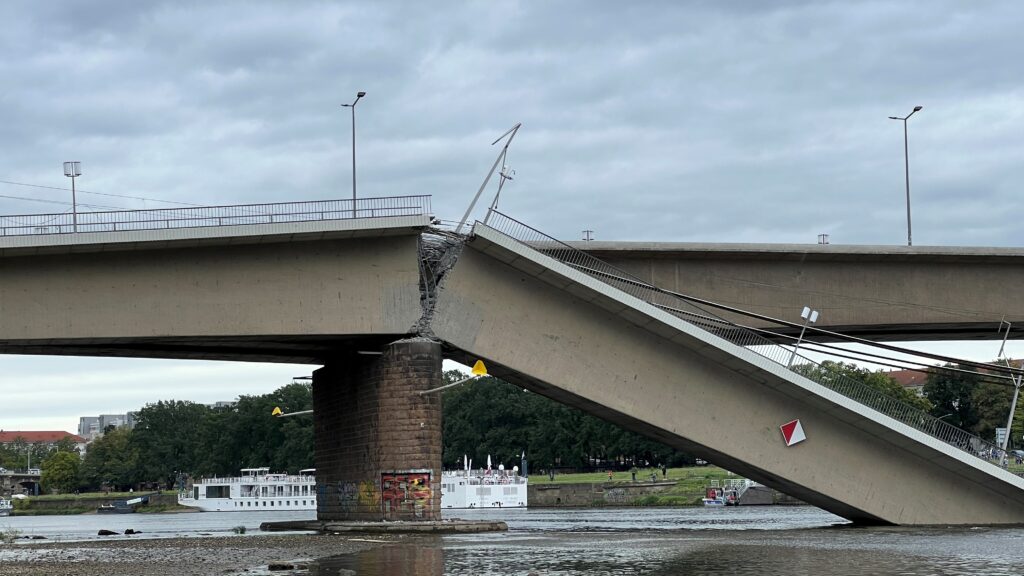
{"points": [[378, 442]]}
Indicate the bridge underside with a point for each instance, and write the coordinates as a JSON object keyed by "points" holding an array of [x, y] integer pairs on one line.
{"points": [[287, 349]]}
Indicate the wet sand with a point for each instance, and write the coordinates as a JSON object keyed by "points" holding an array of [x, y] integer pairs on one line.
{"points": [[198, 556]]}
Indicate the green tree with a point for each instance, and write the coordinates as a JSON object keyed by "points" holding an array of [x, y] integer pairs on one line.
{"points": [[245, 435], [60, 472], [21, 454], [491, 417], [166, 438], [831, 374], [66, 444], [952, 396], [111, 461], [992, 405]]}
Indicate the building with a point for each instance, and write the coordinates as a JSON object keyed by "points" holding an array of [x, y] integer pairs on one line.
{"points": [[92, 427], [46, 438], [911, 380], [914, 380]]}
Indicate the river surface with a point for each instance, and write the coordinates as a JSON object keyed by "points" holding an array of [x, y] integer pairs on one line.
{"points": [[620, 541]]}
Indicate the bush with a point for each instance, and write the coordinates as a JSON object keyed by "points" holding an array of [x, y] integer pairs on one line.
{"points": [[9, 535]]}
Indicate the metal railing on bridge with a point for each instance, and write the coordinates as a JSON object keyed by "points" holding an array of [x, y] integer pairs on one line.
{"points": [[742, 336], [206, 216]]}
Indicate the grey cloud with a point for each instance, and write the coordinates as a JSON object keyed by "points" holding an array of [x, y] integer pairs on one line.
{"points": [[671, 121]]}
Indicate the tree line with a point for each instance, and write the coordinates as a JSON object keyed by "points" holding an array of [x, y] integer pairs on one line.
{"points": [[488, 417], [959, 395]]}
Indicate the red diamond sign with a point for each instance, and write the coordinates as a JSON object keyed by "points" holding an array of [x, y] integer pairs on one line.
{"points": [[793, 432]]}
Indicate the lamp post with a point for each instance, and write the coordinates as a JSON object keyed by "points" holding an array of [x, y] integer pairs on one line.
{"points": [[810, 317], [1017, 381], [906, 164], [353, 107], [73, 170]]}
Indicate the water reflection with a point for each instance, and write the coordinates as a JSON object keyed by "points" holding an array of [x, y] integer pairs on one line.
{"points": [[702, 552], [421, 559]]}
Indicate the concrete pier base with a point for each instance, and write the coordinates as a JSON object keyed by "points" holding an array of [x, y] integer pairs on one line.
{"points": [[378, 442]]}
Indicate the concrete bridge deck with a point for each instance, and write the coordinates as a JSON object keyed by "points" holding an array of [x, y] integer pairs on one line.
{"points": [[884, 293]]}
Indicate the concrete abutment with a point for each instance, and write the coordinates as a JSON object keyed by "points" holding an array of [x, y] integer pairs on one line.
{"points": [[378, 441]]}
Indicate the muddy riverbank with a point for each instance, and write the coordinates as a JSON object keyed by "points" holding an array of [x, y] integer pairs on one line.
{"points": [[198, 556]]}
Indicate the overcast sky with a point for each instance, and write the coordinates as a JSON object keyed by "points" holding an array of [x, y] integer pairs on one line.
{"points": [[676, 121]]}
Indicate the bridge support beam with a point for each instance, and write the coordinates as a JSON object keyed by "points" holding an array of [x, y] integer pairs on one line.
{"points": [[378, 442]]}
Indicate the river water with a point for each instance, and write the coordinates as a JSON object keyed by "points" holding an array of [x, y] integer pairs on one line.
{"points": [[622, 541]]}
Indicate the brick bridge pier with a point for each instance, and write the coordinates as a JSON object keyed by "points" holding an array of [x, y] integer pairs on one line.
{"points": [[378, 441]]}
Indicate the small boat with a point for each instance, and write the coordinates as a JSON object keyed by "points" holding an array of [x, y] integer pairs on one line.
{"points": [[255, 489], [6, 507], [717, 497], [123, 506]]}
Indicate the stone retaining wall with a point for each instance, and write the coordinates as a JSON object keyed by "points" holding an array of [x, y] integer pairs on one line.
{"points": [[592, 494]]}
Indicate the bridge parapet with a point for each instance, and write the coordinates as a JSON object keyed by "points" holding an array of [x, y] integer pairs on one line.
{"points": [[207, 216]]}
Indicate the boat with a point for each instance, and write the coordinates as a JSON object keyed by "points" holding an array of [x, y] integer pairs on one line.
{"points": [[258, 489], [123, 506], [718, 497], [487, 488], [254, 489], [6, 507]]}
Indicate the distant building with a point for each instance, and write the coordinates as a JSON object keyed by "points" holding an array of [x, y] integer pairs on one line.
{"points": [[45, 438], [911, 380], [92, 427]]}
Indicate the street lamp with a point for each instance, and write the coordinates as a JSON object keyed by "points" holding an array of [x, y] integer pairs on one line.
{"points": [[1017, 381], [73, 170], [353, 107], [906, 163], [810, 317]]}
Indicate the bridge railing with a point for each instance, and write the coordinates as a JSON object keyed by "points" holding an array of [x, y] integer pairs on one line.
{"points": [[742, 336], [205, 216]]}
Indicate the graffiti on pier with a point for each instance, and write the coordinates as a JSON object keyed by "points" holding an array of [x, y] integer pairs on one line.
{"points": [[348, 496], [405, 494], [369, 495], [338, 496]]}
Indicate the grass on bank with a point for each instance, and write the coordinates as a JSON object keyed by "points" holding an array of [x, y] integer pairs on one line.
{"points": [[701, 474], [690, 483], [86, 503], [97, 496]]}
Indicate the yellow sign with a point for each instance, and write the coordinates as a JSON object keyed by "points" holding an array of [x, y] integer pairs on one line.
{"points": [[479, 369], [276, 412]]}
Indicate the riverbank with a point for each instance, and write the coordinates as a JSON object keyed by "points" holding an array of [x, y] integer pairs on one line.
{"points": [[89, 503], [223, 555], [648, 487]]}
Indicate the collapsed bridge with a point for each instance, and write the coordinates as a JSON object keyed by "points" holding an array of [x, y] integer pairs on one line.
{"points": [[377, 296]]}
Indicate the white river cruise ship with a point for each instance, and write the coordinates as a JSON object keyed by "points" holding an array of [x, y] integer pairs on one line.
{"points": [[259, 490], [483, 488], [255, 489]]}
